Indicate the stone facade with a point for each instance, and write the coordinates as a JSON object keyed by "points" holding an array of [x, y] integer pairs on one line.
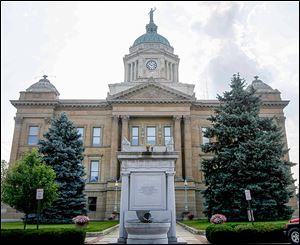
{"points": [[151, 96]]}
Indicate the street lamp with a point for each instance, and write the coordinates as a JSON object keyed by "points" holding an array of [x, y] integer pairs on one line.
{"points": [[185, 196], [116, 196]]}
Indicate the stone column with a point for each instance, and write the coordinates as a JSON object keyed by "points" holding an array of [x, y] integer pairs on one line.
{"points": [[16, 139], [136, 70], [281, 124], [172, 72], [125, 120], [171, 206], [188, 148], [123, 206], [167, 68], [176, 72], [128, 72], [114, 148], [133, 68], [177, 142], [166, 71]]}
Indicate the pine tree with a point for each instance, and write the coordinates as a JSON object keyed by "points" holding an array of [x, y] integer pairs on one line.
{"points": [[62, 149], [248, 154]]}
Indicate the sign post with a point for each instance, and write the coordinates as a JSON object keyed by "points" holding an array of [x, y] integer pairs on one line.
{"points": [[249, 211], [39, 197]]}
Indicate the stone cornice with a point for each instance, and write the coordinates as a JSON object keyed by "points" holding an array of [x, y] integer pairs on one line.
{"points": [[216, 103], [17, 103], [142, 101], [61, 103], [282, 103], [106, 103], [83, 103]]}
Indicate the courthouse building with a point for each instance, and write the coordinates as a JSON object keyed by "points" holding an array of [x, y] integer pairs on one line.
{"points": [[149, 106]]}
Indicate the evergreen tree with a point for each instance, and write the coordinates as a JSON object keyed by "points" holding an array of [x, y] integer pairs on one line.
{"points": [[62, 149], [248, 154]]}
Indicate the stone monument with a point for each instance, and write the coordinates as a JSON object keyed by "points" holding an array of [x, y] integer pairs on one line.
{"points": [[147, 209]]}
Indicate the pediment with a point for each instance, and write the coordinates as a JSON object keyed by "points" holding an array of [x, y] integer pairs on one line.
{"points": [[150, 92]]}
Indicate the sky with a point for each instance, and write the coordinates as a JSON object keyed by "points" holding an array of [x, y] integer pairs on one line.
{"points": [[81, 45]]}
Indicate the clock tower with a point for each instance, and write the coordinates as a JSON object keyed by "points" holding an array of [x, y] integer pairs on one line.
{"points": [[151, 56]]}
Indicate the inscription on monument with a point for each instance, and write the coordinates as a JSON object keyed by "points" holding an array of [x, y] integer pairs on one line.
{"points": [[148, 191]]}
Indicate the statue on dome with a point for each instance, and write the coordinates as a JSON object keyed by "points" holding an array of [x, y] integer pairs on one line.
{"points": [[151, 14]]}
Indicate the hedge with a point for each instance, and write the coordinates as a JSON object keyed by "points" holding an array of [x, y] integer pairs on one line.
{"points": [[66, 236], [247, 233]]}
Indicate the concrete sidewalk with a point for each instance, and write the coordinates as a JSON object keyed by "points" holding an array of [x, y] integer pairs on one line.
{"points": [[180, 231]]}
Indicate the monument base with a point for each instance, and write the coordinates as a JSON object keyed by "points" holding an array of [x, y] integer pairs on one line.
{"points": [[147, 233]]}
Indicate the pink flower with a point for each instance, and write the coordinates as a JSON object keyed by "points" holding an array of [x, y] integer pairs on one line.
{"points": [[218, 219], [81, 220]]}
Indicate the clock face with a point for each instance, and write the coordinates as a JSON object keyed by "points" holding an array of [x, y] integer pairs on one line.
{"points": [[151, 65]]}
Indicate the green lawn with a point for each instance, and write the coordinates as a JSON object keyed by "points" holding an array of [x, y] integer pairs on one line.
{"points": [[202, 224], [93, 226]]}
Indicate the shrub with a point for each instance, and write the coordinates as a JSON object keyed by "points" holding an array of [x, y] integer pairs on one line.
{"points": [[220, 234], [245, 233], [190, 216], [218, 219], [61, 236]]}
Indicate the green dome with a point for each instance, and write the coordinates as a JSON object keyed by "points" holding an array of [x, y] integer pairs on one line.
{"points": [[151, 35], [151, 38]]}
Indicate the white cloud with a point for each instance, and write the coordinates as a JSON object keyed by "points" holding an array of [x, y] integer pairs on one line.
{"points": [[82, 44]]}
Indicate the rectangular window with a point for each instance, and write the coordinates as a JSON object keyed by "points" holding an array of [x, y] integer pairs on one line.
{"points": [[81, 132], [92, 203], [135, 136], [151, 135], [96, 136], [94, 176], [167, 134], [33, 135], [204, 139]]}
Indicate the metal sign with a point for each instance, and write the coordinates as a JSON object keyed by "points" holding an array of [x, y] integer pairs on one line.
{"points": [[248, 195], [39, 194], [250, 215]]}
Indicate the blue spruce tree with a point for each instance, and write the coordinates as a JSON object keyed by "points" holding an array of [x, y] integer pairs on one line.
{"points": [[248, 154], [62, 149]]}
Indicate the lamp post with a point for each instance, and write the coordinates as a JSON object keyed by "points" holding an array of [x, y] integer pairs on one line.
{"points": [[116, 196], [185, 196]]}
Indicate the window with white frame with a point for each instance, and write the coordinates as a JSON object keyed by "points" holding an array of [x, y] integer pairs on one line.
{"points": [[151, 135], [94, 171], [81, 133], [135, 136], [204, 139], [167, 134], [96, 139], [33, 135]]}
